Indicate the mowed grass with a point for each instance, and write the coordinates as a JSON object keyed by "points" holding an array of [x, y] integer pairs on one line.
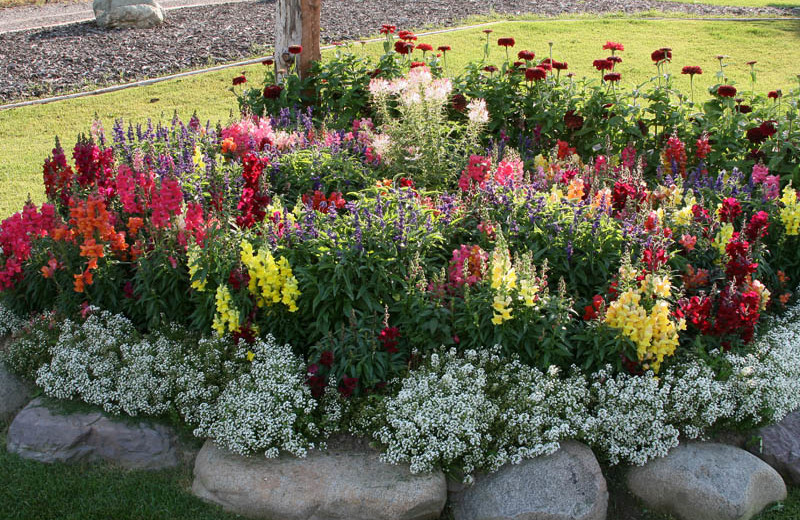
{"points": [[27, 133], [32, 490], [745, 3]]}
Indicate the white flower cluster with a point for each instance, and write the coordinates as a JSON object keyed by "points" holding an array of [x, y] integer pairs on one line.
{"points": [[105, 362], [9, 321], [478, 411], [629, 420], [765, 385], [269, 408], [27, 349]]}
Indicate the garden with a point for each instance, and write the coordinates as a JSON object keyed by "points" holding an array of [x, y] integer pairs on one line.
{"points": [[468, 264]]}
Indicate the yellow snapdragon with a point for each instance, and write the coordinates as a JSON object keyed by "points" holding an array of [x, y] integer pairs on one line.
{"points": [[528, 292], [723, 237], [270, 281], [193, 255], [197, 159], [790, 213], [654, 334], [227, 317], [502, 309], [655, 285]]}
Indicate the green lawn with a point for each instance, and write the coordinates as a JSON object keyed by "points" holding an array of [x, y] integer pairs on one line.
{"points": [[27, 133], [32, 490], [745, 3]]}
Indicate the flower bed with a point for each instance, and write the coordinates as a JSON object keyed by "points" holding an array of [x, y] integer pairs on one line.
{"points": [[390, 246]]}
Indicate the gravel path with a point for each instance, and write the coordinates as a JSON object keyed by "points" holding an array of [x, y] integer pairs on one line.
{"points": [[80, 56], [60, 13]]}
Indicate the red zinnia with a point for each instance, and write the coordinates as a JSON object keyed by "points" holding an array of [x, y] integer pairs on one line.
{"points": [[603, 64], [505, 42], [268, 62], [691, 70], [614, 59], [407, 36], [425, 47], [490, 69], [774, 94], [726, 91], [560, 65], [238, 80], [613, 46], [488, 31], [272, 91], [664, 53], [415, 64], [403, 47], [572, 120], [388, 29], [295, 49], [526, 55], [458, 102], [535, 74], [443, 48], [612, 76]]}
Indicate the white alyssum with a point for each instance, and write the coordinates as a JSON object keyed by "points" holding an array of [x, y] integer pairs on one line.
{"points": [[268, 408], [477, 411], [629, 422], [765, 384], [105, 362], [9, 321]]}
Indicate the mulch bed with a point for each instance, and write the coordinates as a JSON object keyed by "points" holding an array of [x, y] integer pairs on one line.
{"points": [[81, 56]]}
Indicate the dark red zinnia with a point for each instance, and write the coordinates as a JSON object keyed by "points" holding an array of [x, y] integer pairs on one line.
{"points": [[458, 102], [612, 77], [490, 69], [664, 53], [603, 64], [505, 42], [526, 55], [403, 47], [691, 70], [774, 94], [272, 91], [295, 49], [572, 120], [238, 80], [535, 74], [443, 48], [560, 65], [726, 91]]}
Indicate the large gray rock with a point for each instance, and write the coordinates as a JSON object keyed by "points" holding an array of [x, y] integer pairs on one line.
{"points": [[123, 14], [14, 394], [346, 482], [43, 434], [567, 485], [707, 481], [780, 447]]}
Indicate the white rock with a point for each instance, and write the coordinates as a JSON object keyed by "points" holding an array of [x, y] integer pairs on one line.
{"points": [[139, 14], [707, 481], [41, 433], [567, 485], [345, 482]]}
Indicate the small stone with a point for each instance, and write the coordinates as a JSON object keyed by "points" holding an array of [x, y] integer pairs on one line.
{"points": [[347, 482], [14, 394], [780, 447], [125, 14], [567, 485], [41, 433], [707, 481]]}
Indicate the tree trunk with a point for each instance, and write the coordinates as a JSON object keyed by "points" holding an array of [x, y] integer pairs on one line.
{"points": [[297, 23]]}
